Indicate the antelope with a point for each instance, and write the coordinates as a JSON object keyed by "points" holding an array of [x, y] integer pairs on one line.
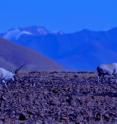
{"points": [[6, 75], [106, 69]]}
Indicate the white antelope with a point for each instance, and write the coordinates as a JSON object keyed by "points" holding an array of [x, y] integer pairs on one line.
{"points": [[6, 75], [106, 69]]}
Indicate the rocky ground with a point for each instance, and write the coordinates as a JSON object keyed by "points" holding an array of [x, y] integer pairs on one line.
{"points": [[58, 98]]}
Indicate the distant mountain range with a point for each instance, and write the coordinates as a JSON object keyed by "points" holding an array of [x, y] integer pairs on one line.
{"points": [[12, 56], [82, 50]]}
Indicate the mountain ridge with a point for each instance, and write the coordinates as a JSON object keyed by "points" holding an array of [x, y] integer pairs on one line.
{"points": [[81, 50]]}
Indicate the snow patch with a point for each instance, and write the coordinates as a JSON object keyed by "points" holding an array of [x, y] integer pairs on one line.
{"points": [[15, 34], [23, 33]]}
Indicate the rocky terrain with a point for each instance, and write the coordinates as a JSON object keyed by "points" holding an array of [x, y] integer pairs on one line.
{"points": [[58, 98]]}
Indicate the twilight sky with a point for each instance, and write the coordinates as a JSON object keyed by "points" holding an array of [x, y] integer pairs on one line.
{"points": [[56, 15]]}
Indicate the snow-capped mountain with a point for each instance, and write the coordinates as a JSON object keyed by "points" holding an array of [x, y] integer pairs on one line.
{"points": [[82, 50], [16, 33]]}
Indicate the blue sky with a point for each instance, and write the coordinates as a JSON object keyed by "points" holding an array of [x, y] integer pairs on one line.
{"points": [[65, 15]]}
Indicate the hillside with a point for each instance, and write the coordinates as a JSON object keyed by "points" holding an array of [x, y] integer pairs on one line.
{"points": [[12, 56]]}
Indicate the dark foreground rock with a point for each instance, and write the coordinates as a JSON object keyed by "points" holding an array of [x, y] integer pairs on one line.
{"points": [[58, 98]]}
